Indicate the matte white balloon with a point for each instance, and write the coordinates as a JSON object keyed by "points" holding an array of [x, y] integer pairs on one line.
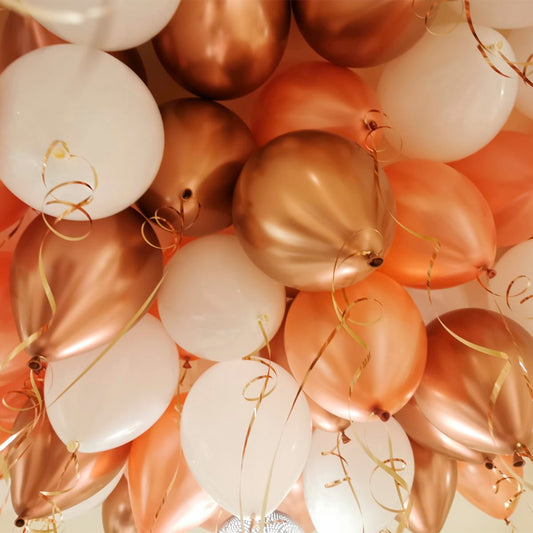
{"points": [[329, 499], [215, 422], [442, 98], [522, 44], [99, 108], [121, 396], [213, 298], [503, 14]]}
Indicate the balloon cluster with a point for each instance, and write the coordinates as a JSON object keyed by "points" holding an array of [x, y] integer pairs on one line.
{"points": [[189, 291]]}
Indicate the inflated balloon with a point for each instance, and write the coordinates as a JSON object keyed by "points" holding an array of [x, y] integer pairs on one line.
{"points": [[117, 516], [433, 490], [389, 328], [458, 383], [521, 42], [334, 468], [449, 120], [228, 300], [502, 171], [98, 283], [438, 204], [492, 13], [307, 200], [273, 523], [224, 50], [77, 138], [266, 437], [11, 208], [361, 33], [115, 25], [294, 503], [142, 369], [165, 498], [315, 95], [206, 146]]}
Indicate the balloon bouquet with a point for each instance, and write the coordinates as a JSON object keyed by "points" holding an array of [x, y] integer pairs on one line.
{"points": [[139, 240]]}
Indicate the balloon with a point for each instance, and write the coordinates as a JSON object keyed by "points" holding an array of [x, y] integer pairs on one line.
{"points": [[11, 208], [227, 298], [98, 283], [442, 98], [386, 320], [117, 515], [511, 14], [521, 42], [433, 490], [258, 435], [456, 389], [78, 127], [142, 369], [114, 25], [223, 50], [423, 432], [315, 95], [362, 33], [308, 198], [294, 503], [329, 498], [502, 172], [438, 202], [272, 524], [206, 146], [493, 491]]}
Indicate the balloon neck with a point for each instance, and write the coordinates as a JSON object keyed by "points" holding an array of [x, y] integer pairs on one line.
{"points": [[345, 438], [518, 460], [490, 272], [520, 452], [186, 363], [373, 259], [36, 363], [20, 522], [186, 194], [489, 465], [383, 415]]}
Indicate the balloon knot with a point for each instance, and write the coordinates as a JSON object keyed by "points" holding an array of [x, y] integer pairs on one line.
{"points": [[517, 460], [383, 415], [186, 363], [372, 125], [489, 271], [35, 364], [73, 446], [186, 194], [489, 465], [20, 522], [345, 438]]}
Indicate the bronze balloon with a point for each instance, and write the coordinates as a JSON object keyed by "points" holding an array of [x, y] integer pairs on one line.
{"points": [[307, 200], [206, 146], [361, 33], [225, 49], [98, 283], [117, 516]]}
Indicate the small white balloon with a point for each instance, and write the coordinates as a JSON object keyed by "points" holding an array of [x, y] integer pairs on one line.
{"points": [[522, 43], [443, 100], [121, 396], [502, 14], [213, 298], [69, 113], [222, 427]]}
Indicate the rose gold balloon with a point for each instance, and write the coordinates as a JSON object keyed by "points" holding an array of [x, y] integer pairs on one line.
{"points": [[458, 381], [494, 491], [224, 49], [11, 208], [315, 95], [433, 490], [437, 202], [422, 431], [44, 468], [387, 320], [361, 33], [308, 198], [117, 516], [206, 146], [159, 504], [98, 283]]}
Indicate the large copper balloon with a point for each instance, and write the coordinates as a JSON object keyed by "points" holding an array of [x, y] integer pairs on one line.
{"points": [[361, 33], [98, 283], [455, 392], [117, 516], [206, 146], [224, 49], [433, 490], [308, 199]]}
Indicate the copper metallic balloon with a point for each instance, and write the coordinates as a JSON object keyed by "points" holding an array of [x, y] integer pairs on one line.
{"points": [[360, 33], [433, 490], [206, 146], [117, 516], [98, 283], [307, 199], [458, 381], [225, 49]]}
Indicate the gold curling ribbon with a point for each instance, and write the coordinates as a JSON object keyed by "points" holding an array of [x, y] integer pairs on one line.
{"points": [[375, 121], [511, 502]]}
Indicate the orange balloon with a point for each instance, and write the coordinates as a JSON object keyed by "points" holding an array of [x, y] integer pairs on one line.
{"points": [[386, 319], [117, 516], [315, 96], [159, 503], [11, 208], [437, 202], [503, 172]]}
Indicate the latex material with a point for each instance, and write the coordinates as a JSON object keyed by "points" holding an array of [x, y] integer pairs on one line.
{"points": [[513, 14], [117, 516], [521, 41]]}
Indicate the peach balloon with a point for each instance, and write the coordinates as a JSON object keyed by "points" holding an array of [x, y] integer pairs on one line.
{"points": [[386, 319]]}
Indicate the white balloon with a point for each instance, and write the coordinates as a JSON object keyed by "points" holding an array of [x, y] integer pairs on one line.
{"points": [[99, 108], [328, 496], [121, 396], [503, 14], [442, 98], [216, 418], [106, 24], [522, 43], [213, 297]]}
